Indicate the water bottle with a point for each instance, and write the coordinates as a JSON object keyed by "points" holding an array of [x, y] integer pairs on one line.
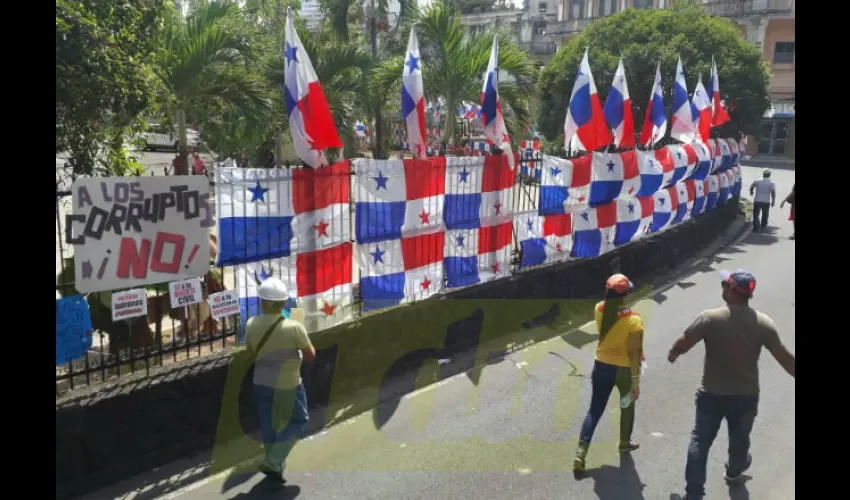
{"points": [[626, 400]]}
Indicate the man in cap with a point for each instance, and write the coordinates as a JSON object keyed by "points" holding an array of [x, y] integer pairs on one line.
{"points": [[763, 192], [279, 344], [734, 336]]}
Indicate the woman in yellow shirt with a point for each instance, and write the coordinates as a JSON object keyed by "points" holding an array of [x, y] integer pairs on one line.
{"points": [[618, 360]]}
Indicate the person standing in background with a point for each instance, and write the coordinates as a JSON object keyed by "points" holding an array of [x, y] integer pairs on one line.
{"points": [[791, 199], [763, 192], [734, 336]]}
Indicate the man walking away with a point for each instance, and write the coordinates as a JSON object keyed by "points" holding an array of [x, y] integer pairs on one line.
{"points": [[734, 336], [764, 196]]}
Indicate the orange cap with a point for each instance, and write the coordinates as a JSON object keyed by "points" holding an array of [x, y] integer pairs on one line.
{"points": [[619, 283]]}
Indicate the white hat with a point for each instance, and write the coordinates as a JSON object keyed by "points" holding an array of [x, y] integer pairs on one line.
{"points": [[766, 172], [273, 289]]}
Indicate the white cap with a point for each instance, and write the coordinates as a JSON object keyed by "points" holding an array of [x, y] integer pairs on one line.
{"points": [[765, 172], [273, 289]]}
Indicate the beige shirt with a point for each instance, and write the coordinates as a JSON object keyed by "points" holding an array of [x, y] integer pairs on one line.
{"points": [[278, 365], [734, 337]]}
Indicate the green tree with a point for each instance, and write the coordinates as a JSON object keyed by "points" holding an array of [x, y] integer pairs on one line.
{"points": [[104, 56], [453, 64], [207, 70], [645, 37]]}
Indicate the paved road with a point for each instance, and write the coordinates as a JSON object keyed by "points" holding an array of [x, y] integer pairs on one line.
{"points": [[513, 435]]}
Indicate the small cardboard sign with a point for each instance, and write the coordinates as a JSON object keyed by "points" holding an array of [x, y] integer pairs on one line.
{"points": [[129, 304], [297, 314], [185, 292], [223, 304]]}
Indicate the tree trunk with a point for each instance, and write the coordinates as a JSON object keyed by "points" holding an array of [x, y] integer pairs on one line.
{"points": [[449, 129], [379, 133], [182, 167]]}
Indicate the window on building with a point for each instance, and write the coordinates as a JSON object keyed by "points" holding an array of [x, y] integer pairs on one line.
{"points": [[541, 7], [608, 7], [576, 9], [784, 53], [643, 4]]}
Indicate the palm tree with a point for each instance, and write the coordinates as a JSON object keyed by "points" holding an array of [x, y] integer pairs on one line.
{"points": [[204, 66], [454, 63]]}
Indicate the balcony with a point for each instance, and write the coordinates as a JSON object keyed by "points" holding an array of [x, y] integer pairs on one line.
{"points": [[744, 8], [540, 48]]}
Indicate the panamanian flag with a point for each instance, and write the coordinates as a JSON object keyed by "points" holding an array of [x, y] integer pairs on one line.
{"points": [[634, 219], [564, 185], [666, 207], [683, 211], [594, 230], [664, 157], [544, 239], [704, 161], [478, 215], [696, 195], [615, 175], [723, 193], [684, 161], [413, 98], [651, 173], [712, 189]]}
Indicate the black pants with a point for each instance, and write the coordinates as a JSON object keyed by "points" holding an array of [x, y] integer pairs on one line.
{"points": [[739, 413], [761, 209]]}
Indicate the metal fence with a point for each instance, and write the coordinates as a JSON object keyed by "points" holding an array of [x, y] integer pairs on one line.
{"points": [[169, 336]]}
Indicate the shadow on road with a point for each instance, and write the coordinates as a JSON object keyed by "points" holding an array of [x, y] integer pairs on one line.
{"points": [[617, 483], [266, 489]]}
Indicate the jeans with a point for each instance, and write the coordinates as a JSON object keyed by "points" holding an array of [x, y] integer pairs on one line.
{"points": [[761, 210], [740, 413], [283, 417], [603, 379]]}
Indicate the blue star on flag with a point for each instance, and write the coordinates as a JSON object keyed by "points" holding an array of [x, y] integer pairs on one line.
{"points": [[530, 225], [585, 216], [290, 53], [463, 175], [631, 208], [555, 171], [258, 192], [610, 166], [381, 181], [412, 62], [459, 241], [378, 255]]}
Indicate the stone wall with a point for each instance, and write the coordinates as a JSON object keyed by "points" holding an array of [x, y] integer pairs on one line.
{"points": [[135, 424]]}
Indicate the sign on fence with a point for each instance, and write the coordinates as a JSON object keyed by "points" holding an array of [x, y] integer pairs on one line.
{"points": [[184, 293], [73, 328], [136, 231], [129, 304], [223, 304]]}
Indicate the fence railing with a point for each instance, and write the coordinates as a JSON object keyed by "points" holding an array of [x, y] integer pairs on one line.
{"points": [[166, 336]]}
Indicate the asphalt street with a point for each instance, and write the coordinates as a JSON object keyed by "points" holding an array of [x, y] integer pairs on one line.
{"points": [[513, 435]]}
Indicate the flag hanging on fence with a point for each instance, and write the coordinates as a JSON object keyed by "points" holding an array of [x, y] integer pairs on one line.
{"points": [[267, 213], [413, 98], [594, 230], [310, 120], [564, 185], [666, 206], [723, 192], [683, 211], [618, 110], [584, 127], [704, 161], [684, 161], [634, 218], [477, 255], [696, 195], [712, 189], [651, 173], [544, 239], [615, 175]]}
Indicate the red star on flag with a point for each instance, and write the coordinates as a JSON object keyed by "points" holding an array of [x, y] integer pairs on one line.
{"points": [[631, 190], [424, 216], [322, 228], [559, 248], [426, 283], [495, 267], [505, 138], [328, 309], [498, 207], [581, 199]]}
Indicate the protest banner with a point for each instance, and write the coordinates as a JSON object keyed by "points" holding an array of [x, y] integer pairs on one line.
{"points": [[185, 292], [129, 304], [223, 304], [73, 328], [133, 231]]}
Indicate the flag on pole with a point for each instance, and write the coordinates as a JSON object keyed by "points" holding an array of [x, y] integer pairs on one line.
{"points": [[585, 128], [491, 106], [701, 111], [618, 110], [655, 123], [413, 98], [310, 120], [719, 116], [682, 127]]}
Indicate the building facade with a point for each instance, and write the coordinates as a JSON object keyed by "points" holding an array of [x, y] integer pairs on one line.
{"points": [[769, 24]]}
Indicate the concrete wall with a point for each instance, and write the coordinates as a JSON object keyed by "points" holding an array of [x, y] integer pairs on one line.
{"points": [[136, 424]]}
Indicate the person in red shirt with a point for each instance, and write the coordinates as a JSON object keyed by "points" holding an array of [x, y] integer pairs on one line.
{"points": [[791, 198], [200, 168]]}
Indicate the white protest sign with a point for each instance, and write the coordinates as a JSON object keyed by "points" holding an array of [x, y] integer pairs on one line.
{"points": [[185, 293], [133, 231], [129, 304], [223, 304]]}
